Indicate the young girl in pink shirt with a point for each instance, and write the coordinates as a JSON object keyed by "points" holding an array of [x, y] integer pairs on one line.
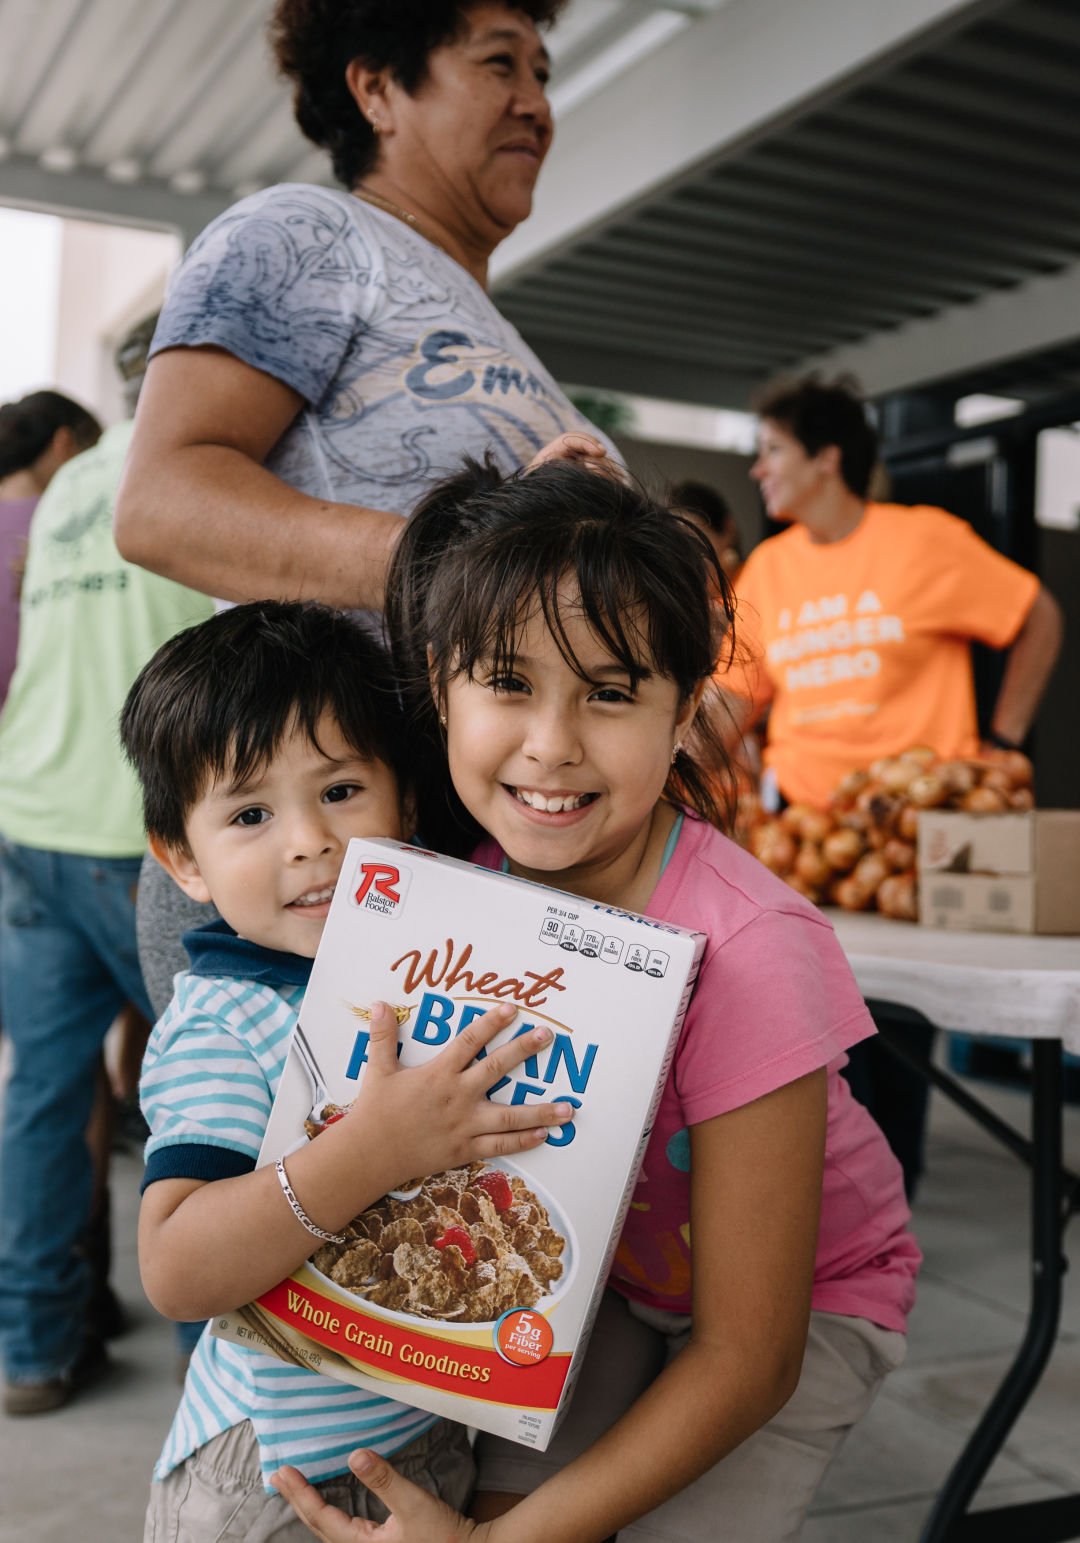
{"points": [[557, 631]]}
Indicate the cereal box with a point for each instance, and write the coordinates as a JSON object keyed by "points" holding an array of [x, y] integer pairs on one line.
{"points": [[472, 1293]]}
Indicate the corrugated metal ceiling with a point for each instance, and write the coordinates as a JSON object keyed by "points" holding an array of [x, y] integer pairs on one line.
{"points": [[950, 176], [1044, 376], [182, 92], [944, 178], [153, 89]]}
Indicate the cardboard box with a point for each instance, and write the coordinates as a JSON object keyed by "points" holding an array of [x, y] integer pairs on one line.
{"points": [[473, 1295], [1000, 872]]}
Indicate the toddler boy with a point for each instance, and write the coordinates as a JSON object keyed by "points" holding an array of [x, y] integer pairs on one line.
{"points": [[265, 739]]}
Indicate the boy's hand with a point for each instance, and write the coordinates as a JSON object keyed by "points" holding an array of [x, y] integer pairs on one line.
{"points": [[437, 1115]]}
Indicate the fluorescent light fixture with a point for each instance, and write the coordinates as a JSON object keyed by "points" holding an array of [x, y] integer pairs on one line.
{"points": [[970, 411], [124, 169], [190, 181], [59, 158]]}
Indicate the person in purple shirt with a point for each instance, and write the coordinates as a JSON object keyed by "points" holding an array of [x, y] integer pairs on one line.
{"points": [[37, 435]]}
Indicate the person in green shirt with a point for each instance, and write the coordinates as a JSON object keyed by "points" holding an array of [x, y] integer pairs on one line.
{"points": [[71, 844]]}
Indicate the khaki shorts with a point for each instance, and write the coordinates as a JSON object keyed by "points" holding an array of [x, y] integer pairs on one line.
{"points": [[759, 1493], [217, 1495]]}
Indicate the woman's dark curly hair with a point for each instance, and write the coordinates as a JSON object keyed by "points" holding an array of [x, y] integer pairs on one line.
{"points": [[314, 41]]}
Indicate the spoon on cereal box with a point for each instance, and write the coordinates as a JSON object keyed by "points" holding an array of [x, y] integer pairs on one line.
{"points": [[323, 1111]]}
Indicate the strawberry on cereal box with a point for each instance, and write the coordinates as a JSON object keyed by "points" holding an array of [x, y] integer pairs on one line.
{"points": [[471, 1292]]}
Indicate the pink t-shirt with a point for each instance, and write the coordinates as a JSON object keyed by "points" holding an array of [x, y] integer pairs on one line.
{"points": [[775, 999]]}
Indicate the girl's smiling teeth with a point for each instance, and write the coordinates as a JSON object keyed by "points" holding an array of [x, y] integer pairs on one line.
{"points": [[552, 803], [321, 896]]}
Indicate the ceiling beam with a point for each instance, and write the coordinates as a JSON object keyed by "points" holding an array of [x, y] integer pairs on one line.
{"points": [[676, 380], [148, 203], [1042, 313], [714, 87]]}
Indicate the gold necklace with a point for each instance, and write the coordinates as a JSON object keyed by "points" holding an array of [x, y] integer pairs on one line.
{"points": [[379, 202]]}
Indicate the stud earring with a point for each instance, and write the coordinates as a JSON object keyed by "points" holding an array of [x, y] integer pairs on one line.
{"points": [[675, 751], [442, 720]]}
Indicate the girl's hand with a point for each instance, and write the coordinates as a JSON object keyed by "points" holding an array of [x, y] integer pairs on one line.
{"points": [[415, 1516], [580, 448], [438, 1116]]}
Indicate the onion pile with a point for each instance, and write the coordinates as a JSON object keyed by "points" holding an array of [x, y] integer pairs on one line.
{"points": [[860, 852]]}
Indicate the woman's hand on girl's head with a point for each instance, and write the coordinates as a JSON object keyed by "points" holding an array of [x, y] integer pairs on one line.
{"points": [[415, 1516], [583, 450]]}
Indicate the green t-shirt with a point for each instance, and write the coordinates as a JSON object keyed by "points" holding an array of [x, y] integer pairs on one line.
{"points": [[89, 621]]}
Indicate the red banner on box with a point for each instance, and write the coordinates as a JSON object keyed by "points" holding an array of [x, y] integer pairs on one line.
{"points": [[414, 1356]]}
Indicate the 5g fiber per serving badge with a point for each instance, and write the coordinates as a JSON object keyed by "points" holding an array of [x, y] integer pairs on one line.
{"points": [[471, 1292]]}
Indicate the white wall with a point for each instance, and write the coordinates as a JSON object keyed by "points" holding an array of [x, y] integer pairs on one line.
{"points": [[30, 246], [110, 277]]}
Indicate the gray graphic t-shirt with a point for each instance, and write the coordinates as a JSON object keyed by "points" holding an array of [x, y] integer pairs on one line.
{"points": [[404, 363]]}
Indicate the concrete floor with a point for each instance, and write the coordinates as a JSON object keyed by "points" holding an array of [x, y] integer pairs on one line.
{"points": [[971, 1218], [80, 1475]]}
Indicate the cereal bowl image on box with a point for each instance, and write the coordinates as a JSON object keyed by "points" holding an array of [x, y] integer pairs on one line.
{"points": [[471, 1292], [464, 1248]]}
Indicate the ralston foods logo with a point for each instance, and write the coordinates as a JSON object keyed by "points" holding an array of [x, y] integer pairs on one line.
{"points": [[380, 887]]}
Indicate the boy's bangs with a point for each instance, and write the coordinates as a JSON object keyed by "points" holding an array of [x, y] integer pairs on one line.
{"points": [[242, 752], [246, 750], [494, 608]]}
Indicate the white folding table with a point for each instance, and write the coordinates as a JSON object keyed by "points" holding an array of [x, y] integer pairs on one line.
{"points": [[1012, 987]]}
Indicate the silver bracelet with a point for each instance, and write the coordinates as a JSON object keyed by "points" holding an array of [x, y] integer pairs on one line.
{"points": [[298, 1211]]}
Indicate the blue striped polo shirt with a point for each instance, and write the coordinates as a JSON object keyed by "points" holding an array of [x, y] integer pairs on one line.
{"points": [[211, 1070]]}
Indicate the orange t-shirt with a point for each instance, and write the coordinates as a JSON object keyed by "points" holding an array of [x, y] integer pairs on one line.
{"points": [[861, 645]]}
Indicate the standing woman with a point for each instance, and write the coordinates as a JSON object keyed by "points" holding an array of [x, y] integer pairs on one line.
{"points": [[37, 435], [859, 617], [326, 356]]}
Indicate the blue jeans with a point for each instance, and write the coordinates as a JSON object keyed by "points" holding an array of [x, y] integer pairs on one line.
{"points": [[68, 962]]}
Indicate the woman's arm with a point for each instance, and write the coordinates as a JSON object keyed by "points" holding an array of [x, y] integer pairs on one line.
{"points": [[756, 1199], [1031, 660], [197, 505]]}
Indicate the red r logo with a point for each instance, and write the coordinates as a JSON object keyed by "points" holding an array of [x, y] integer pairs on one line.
{"points": [[383, 877]]}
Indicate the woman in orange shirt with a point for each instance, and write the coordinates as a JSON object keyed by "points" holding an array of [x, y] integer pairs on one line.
{"points": [[855, 625], [857, 619]]}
